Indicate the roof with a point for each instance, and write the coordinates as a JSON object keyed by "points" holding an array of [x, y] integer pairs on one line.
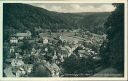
{"points": [[55, 67], [52, 67], [22, 34], [44, 35], [13, 38], [81, 51]]}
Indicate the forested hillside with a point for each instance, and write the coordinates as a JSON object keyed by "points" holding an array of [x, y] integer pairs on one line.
{"points": [[21, 17], [112, 50]]}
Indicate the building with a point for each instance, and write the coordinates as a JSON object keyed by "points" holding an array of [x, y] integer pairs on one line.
{"points": [[81, 53], [53, 68], [56, 70], [18, 56], [18, 50], [20, 72], [42, 35], [13, 40], [66, 51], [26, 35], [28, 68], [17, 62], [45, 40], [12, 49], [70, 51], [33, 52]]}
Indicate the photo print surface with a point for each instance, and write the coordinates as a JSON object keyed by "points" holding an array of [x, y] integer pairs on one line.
{"points": [[63, 40]]}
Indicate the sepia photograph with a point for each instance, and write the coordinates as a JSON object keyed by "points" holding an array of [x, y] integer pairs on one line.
{"points": [[63, 39]]}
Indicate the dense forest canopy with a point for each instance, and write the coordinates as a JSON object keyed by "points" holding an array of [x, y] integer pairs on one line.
{"points": [[112, 51]]}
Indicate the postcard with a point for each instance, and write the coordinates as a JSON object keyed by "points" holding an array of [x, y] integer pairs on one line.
{"points": [[63, 40]]}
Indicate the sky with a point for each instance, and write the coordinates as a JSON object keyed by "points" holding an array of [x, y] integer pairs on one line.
{"points": [[76, 7]]}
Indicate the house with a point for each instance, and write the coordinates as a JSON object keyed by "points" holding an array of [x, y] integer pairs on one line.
{"points": [[60, 58], [26, 35], [70, 51], [18, 50], [54, 57], [33, 52], [12, 50], [28, 68], [96, 58], [53, 68], [13, 40], [8, 72], [66, 51], [20, 72], [17, 62], [81, 53], [73, 47], [75, 42], [45, 40], [42, 35], [18, 56], [56, 70]]}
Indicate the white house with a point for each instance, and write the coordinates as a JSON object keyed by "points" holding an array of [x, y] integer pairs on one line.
{"points": [[12, 49], [45, 40], [13, 40]]}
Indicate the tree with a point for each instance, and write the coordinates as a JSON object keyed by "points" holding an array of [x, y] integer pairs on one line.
{"points": [[26, 45], [112, 51]]}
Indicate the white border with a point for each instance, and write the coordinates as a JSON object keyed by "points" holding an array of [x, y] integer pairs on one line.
{"points": [[1, 39], [67, 79]]}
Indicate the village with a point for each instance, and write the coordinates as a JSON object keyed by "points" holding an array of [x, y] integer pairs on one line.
{"points": [[48, 49]]}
